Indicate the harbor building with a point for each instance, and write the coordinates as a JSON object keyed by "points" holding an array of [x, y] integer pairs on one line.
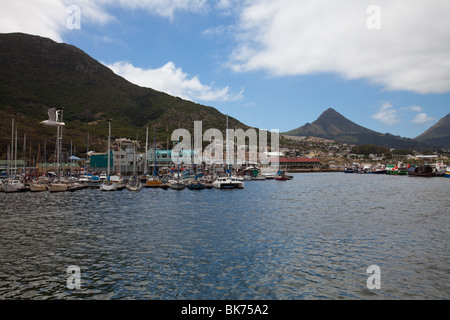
{"points": [[298, 163]]}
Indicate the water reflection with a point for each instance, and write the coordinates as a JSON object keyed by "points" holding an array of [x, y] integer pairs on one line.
{"points": [[309, 238]]}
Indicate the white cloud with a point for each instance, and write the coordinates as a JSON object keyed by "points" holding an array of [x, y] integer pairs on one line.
{"points": [[289, 37], [387, 114], [49, 18], [173, 81], [413, 108], [165, 8], [422, 118]]}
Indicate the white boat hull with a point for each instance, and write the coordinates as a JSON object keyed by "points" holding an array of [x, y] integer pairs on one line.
{"points": [[38, 187], [176, 185], [108, 187], [14, 186], [58, 187], [228, 183]]}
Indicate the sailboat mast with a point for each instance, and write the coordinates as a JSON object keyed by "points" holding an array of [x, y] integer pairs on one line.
{"points": [[228, 150], [87, 154], [24, 151], [11, 155], [154, 147], [15, 155], [146, 156], [109, 146], [60, 140]]}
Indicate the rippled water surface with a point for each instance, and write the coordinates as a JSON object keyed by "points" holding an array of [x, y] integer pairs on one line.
{"points": [[309, 238]]}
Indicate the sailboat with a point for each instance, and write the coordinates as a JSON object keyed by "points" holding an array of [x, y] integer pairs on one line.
{"points": [[58, 186], [154, 181], [38, 186], [13, 184], [196, 184], [108, 184], [229, 181], [134, 184], [177, 184], [55, 119]]}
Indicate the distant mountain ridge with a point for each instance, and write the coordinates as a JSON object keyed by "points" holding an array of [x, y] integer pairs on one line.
{"points": [[334, 126], [438, 134]]}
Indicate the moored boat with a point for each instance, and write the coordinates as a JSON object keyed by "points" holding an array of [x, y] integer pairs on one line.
{"points": [[13, 185], [134, 184], [38, 187], [283, 176], [440, 169], [196, 185], [349, 170], [228, 182], [396, 170], [447, 172], [420, 171], [108, 185], [58, 187], [176, 184], [153, 182]]}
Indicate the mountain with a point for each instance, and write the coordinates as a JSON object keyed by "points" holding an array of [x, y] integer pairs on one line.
{"points": [[334, 126], [37, 73], [439, 134]]}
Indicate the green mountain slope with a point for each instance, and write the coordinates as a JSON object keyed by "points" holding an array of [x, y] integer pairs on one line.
{"points": [[37, 73]]}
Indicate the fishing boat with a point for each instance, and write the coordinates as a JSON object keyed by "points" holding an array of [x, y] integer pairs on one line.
{"points": [[379, 170], [396, 170], [420, 171], [349, 170], [447, 172], [440, 169]]}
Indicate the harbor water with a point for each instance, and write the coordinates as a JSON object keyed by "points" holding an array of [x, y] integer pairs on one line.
{"points": [[313, 237]]}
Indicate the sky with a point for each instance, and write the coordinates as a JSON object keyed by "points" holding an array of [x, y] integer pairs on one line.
{"points": [[384, 64]]}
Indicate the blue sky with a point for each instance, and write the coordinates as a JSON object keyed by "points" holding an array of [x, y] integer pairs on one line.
{"points": [[271, 64]]}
